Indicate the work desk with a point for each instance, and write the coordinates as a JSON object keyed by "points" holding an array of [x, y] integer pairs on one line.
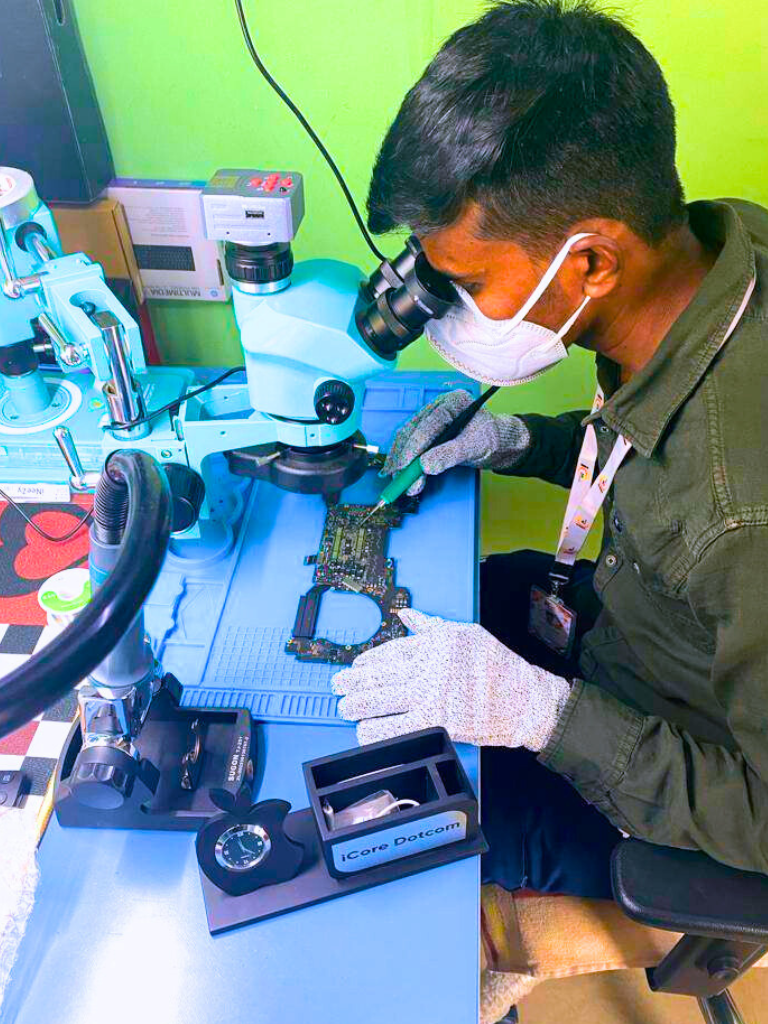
{"points": [[119, 934]]}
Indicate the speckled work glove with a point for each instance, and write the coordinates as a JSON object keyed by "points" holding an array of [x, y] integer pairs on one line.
{"points": [[453, 674], [487, 442]]}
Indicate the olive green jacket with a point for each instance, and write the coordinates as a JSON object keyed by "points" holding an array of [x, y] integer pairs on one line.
{"points": [[667, 732]]}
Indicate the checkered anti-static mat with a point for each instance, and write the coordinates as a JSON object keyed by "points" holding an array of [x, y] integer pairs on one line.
{"points": [[26, 561]]}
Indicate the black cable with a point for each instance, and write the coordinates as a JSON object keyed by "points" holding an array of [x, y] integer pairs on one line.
{"points": [[178, 402], [38, 529], [307, 128], [74, 653]]}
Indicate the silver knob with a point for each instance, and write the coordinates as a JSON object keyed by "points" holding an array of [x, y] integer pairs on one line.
{"points": [[79, 480]]}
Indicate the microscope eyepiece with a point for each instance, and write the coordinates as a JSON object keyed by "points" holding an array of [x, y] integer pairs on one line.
{"points": [[391, 273], [399, 298]]}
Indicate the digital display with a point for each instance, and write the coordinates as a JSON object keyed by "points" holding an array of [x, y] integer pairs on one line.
{"points": [[224, 181]]}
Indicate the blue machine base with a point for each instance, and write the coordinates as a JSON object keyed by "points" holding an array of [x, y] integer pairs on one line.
{"points": [[221, 626], [28, 453]]}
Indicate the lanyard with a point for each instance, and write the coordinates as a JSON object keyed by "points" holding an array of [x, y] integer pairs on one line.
{"points": [[587, 493]]}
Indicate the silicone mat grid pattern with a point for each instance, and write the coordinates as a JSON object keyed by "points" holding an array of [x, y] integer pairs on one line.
{"points": [[249, 668]]}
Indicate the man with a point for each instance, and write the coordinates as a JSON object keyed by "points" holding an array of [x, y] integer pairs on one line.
{"points": [[535, 160]]}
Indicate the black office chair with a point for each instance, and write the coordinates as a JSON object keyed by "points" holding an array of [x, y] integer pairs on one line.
{"points": [[722, 912]]}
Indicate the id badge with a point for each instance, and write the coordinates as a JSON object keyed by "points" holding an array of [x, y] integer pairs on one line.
{"points": [[553, 622]]}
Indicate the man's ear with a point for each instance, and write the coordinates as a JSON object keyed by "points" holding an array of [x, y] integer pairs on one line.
{"points": [[602, 269]]}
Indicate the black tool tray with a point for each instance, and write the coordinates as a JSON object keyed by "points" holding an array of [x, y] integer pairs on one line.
{"points": [[423, 766]]}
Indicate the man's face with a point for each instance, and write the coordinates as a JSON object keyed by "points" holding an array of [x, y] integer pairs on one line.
{"points": [[498, 274]]}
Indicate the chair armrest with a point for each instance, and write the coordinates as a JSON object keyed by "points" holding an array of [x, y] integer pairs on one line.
{"points": [[687, 891]]}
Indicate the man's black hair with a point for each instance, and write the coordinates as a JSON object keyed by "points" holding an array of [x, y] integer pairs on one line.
{"points": [[544, 112]]}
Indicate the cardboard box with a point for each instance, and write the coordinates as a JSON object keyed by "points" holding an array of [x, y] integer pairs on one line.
{"points": [[175, 259], [100, 230]]}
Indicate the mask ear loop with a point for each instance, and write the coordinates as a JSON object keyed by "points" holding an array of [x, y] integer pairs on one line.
{"points": [[469, 303], [548, 277], [572, 319]]}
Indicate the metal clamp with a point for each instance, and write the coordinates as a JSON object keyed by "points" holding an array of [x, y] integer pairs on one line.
{"points": [[113, 719], [559, 578]]}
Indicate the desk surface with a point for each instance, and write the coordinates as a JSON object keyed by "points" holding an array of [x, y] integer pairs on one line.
{"points": [[118, 932]]}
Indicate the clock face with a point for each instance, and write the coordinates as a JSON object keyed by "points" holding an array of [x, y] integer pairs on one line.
{"points": [[242, 847]]}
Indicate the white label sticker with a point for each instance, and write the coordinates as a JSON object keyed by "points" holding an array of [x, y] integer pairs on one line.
{"points": [[7, 184], [400, 841], [37, 492]]}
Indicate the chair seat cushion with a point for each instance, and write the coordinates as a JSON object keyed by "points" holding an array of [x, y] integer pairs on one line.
{"points": [[559, 936]]}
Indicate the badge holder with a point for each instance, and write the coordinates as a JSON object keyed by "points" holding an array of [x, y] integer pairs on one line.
{"points": [[551, 620], [259, 861]]}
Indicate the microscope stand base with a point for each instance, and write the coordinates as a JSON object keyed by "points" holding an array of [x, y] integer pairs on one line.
{"points": [[211, 751]]}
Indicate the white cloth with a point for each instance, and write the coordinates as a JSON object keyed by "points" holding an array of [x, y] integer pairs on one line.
{"points": [[455, 675], [499, 992], [19, 876]]}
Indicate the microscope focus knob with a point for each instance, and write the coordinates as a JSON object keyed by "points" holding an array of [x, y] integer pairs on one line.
{"points": [[334, 402], [103, 777]]}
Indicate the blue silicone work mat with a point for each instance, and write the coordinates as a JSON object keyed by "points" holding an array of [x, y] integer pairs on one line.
{"points": [[222, 630]]}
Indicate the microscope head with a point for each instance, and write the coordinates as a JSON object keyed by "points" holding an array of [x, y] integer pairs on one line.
{"points": [[305, 360], [312, 334]]}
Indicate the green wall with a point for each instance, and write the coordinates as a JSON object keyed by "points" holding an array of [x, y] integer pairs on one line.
{"points": [[181, 98]]}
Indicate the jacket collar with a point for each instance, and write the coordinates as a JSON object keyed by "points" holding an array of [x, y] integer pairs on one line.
{"points": [[642, 408]]}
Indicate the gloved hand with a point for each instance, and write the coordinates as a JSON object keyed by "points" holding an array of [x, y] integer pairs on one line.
{"points": [[453, 674], [487, 442]]}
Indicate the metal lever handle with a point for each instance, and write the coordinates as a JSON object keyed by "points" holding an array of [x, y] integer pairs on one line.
{"points": [[68, 450], [79, 480]]}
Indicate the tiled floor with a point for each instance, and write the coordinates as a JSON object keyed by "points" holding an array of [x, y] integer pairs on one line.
{"points": [[623, 997]]}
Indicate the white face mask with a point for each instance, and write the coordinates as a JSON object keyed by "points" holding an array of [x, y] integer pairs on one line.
{"points": [[503, 352]]}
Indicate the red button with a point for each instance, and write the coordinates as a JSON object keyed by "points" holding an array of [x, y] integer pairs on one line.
{"points": [[256, 182], [286, 182]]}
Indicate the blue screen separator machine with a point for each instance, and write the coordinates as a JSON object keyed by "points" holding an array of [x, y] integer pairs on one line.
{"points": [[170, 459], [312, 335]]}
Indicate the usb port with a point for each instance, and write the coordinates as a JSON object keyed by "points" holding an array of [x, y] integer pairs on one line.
{"points": [[254, 214]]}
